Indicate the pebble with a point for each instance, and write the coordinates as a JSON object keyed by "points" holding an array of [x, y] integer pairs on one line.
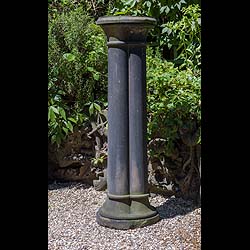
{"points": [[72, 223]]}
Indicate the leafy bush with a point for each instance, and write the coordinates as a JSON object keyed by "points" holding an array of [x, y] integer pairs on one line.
{"points": [[173, 99], [184, 35], [177, 32], [174, 132], [77, 70], [94, 8]]}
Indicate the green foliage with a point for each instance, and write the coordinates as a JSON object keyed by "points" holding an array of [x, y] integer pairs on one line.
{"points": [[77, 70], [59, 123], [78, 64], [184, 34], [177, 29], [94, 108], [99, 160], [94, 8], [173, 99]]}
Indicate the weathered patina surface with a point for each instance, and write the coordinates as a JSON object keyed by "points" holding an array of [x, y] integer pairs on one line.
{"points": [[127, 204]]}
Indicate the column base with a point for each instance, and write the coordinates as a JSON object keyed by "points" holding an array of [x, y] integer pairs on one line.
{"points": [[127, 211], [126, 224]]}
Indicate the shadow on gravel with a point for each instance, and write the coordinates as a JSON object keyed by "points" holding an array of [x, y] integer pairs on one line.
{"points": [[170, 208], [175, 206], [52, 185]]}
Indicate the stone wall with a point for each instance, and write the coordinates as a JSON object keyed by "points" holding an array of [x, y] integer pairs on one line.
{"points": [[83, 157]]}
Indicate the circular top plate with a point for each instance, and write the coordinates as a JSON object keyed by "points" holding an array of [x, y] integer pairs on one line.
{"points": [[125, 20]]}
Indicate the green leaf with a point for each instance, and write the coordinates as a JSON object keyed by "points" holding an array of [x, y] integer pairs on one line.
{"points": [[69, 126], [189, 51], [69, 57], [170, 105], [91, 109], [97, 107], [62, 113], [121, 13], [130, 2], [162, 9], [96, 77], [72, 119], [91, 69], [51, 115], [55, 125], [165, 9], [87, 104], [148, 3], [166, 29], [199, 21], [65, 130], [189, 61], [54, 109]]}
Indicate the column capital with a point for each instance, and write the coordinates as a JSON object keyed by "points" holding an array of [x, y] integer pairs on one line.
{"points": [[127, 29]]}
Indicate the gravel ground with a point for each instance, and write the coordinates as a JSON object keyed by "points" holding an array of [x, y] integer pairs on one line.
{"points": [[72, 209]]}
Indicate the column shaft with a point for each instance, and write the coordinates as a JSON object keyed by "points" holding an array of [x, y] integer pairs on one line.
{"points": [[118, 134], [137, 120]]}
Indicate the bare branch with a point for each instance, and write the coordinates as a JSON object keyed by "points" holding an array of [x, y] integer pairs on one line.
{"points": [[96, 128]]}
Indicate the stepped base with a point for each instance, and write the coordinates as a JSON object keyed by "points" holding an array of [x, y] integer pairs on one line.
{"points": [[126, 224], [127, 211]]}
